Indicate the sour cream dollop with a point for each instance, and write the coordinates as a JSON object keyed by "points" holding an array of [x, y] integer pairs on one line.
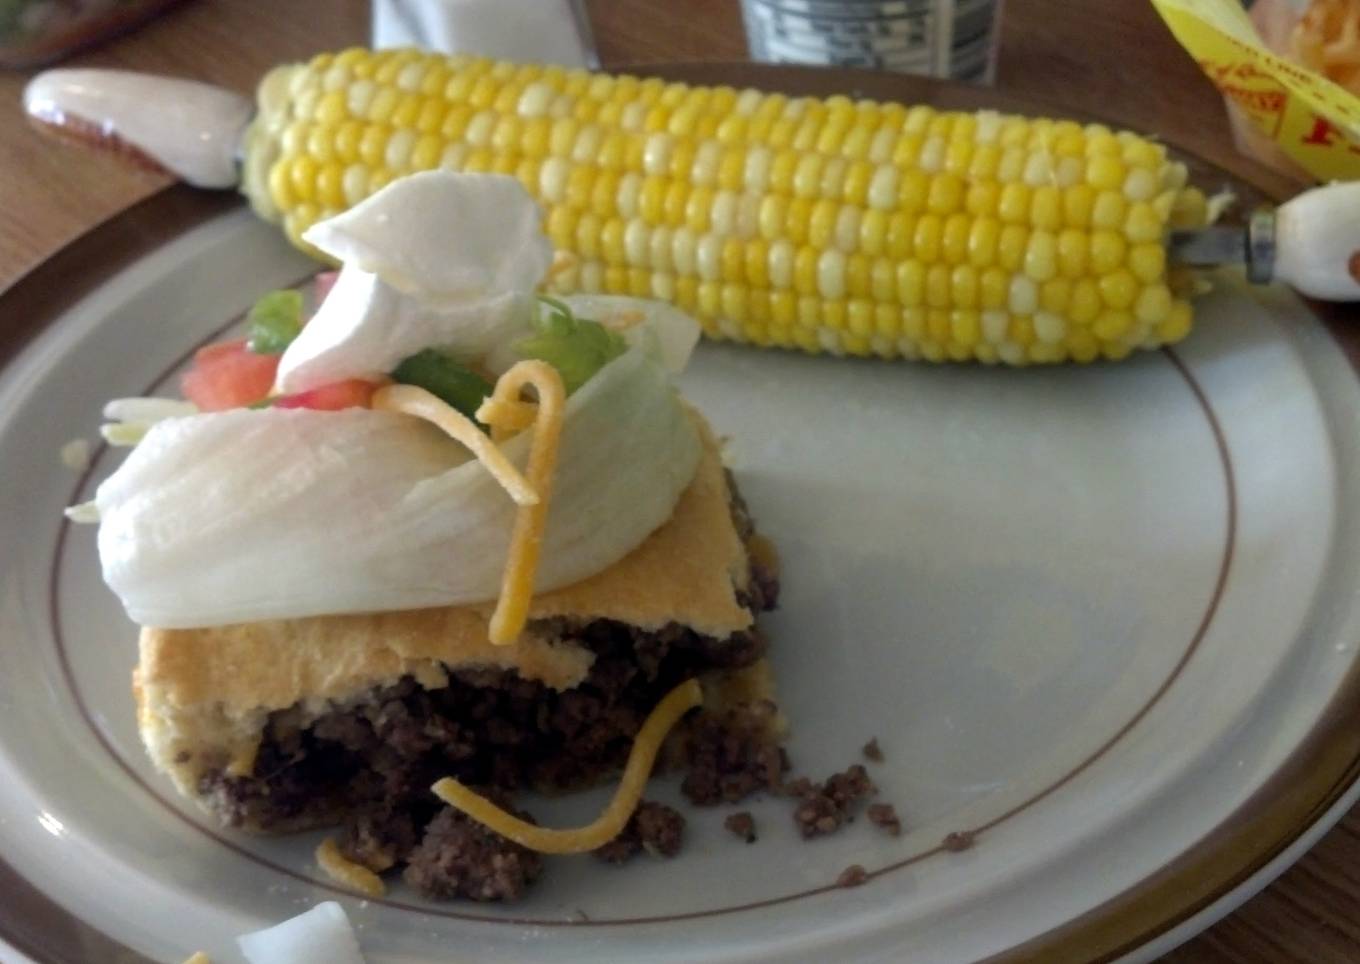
{"points": [[261, 514]]}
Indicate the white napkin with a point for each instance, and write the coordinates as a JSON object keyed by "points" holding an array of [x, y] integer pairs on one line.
{"points": [[525, 31]]}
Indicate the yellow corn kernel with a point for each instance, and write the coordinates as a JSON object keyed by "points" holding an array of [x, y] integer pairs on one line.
{"points": [[1142, 223], [1073, 246], [983, 235], [796, 220], [1177, 322], [1112, 325], [1041, 256], [733, 260], [1118, 288], [927, 238], [1108, 251], [1109, 211], [1082, 345], [1105, 172], [1045, 208], [1013, 205], [821, 223], [994, 288], [1153, 305], [1078, 205], [1084, 304], [982, 198], [963, 286], [911, 283], [938, 286], [1054, 295], [983, 163], [857, 275], [945, 194], [901, 232], [1147, 261], [1011, 246], [913, 188]]}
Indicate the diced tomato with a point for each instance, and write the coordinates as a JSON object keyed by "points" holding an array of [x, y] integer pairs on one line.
{"points": [[217, 349], [322, 285], [351, 393], [228, 375]]}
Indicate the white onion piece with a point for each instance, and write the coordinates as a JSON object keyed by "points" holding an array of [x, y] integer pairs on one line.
{"points": [[442, 235], [664, 330], [365, 327], [322, 935], [263, 514], [435, 260]]}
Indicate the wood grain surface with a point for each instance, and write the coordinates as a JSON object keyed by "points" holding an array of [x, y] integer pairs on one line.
{"points": [[1103, 57]]}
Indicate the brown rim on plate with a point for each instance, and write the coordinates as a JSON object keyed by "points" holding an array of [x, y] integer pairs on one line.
{"points": [[1324, 766]]}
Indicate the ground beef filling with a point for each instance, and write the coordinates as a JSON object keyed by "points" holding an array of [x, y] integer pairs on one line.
{"points": [[371, 767]]}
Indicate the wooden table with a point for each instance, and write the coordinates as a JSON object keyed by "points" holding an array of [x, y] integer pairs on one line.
{"points": [[1097, 56]]}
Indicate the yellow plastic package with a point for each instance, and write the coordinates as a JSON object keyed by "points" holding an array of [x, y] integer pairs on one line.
{"points": [[1313, 120]]}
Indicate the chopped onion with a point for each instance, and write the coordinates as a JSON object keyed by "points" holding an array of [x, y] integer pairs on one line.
{"points": [[322, 935], [263, 514]]}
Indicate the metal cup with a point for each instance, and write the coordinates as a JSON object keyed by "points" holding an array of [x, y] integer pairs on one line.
{"points": [[941, 38]]}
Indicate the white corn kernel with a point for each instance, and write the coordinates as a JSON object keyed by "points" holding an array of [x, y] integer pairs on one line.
{"points": [[831, 274], [1140, 185], [705, 172], [637, 243], [587, 146], [883, 187], [708, 257], [355, 183], [453, 157], [780, 260], [748, 216], [399, 149], [757, 174], [932, 155], [663, 286], [535, 100], [1038, 170], [410, 76], [723, 214], [1049, 328], [994, 326], [656, 153], [1024, 295], [847, 228], [682, 251], [592, 277], [988, 127], [882, 146], [359, 96], [480, 128], [659, 249], [633, 116], [552, 181]]}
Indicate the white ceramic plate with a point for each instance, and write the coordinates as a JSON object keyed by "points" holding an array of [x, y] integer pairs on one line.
{"points": [[1098, 618]]}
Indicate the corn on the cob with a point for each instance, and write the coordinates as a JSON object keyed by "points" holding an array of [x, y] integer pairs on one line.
{"points": [[831, 225]]}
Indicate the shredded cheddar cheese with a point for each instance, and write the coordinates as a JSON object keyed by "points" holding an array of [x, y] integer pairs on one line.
{"points": [[614, 817], [345, 871], [526, 539], [410, 400], [506, 417]]}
